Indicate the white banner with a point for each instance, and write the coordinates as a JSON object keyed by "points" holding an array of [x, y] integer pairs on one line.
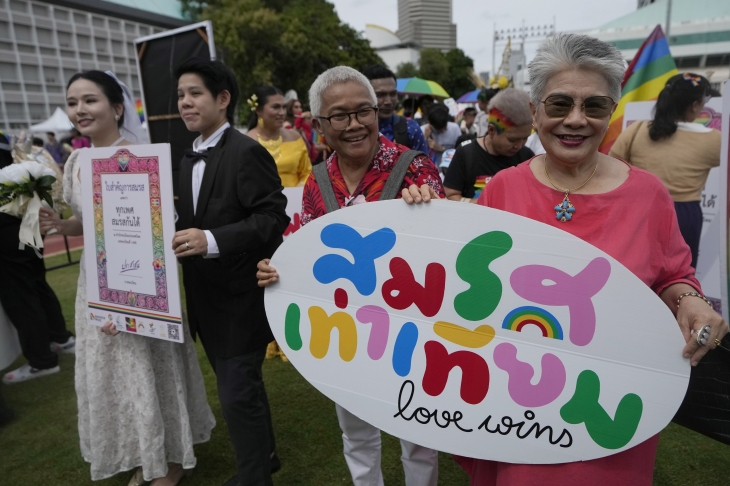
{"points": [[710, 271], [129, 223], [549, 334]]}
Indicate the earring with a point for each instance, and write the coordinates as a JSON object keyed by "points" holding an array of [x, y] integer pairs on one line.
{"points": [[117, 117], [261, 122]]}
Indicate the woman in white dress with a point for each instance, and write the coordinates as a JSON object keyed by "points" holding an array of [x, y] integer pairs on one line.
{"points": [[142, 402]]}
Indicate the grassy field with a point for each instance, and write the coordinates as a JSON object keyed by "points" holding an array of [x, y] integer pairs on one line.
{"points": [[41, 447]]}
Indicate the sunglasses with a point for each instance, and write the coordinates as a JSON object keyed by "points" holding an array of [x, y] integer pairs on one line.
{"points": [[560, 106]]}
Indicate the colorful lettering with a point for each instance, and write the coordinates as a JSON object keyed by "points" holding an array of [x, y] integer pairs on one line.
{"points": [[341, 298], [379, 330], [584, 408], [524, 316], [322, 326], [574, 291], [365, 251], [291, 327], [472, 266], [474, 372], [405, 344], [479, 337], [402, 290], [522, 391]]}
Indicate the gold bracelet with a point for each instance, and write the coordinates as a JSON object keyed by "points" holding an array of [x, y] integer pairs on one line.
{"points": [[693, 294], [465, 199]]}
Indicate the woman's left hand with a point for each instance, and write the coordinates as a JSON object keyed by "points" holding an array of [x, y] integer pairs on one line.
{"points": [[694, 314], [414, 194]]}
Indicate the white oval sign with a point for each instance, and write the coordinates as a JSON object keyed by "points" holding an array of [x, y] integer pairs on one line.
{"points": [[477, 332]]}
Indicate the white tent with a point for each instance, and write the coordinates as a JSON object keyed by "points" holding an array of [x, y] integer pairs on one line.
{"points": [[58, 122]]}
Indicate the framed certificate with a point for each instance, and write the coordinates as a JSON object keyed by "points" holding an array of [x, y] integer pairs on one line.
{"points": [[129, 223]]}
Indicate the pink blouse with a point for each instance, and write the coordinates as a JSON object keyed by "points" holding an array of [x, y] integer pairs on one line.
{"points": [[636, 224]]}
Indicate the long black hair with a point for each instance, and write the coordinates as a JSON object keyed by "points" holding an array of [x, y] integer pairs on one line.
{"points": [[262, 97], [106, 84], [677, 96]]}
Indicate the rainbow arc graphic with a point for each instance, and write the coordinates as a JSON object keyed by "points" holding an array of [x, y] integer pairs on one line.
{"points": [[644, 79], [533, 316]]}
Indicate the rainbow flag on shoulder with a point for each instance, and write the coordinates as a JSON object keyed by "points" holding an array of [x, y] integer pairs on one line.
{"points": [[645, 78]]}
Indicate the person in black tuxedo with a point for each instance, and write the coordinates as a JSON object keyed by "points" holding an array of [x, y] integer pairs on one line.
{"points": [[231, 215], [28, 300]]}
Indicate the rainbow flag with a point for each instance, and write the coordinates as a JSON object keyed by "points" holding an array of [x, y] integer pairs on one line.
{"points": [[645, 78], [140, 109]]}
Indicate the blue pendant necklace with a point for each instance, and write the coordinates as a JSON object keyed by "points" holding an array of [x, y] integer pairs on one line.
{"points": [[565, 210]]}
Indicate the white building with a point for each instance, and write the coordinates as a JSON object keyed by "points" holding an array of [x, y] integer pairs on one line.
{"points": [[43, 43], [699, 34], [427, 23], [391, 49]]}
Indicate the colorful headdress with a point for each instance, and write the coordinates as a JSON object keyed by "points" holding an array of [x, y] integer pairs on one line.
{"points": [[253, 102], [695, 80], [499, 120]]}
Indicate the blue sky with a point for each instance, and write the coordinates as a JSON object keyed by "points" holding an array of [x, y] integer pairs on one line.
{"points": [[475, 19]]}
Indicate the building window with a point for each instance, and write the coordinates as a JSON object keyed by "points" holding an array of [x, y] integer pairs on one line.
{"points": [[50, 74], [23, 33], [98, 22], [40, 10], [45, 36], [68, 74], [114, 24], [80, 18], [30, 73], [688, 62], [718, 60], [17, 6], [15, 110], [101, 45], [130, 28], [8, 71], [4, 30], [38, 111], [64, 39], [83, 42], [60, 14], [46, 51], [11, 86]]}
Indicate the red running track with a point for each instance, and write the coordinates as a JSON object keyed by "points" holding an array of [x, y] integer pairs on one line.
{"points": [[53, 244]]}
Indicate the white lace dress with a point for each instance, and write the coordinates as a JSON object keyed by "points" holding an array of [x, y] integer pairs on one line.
{"points": [[141, 400]]}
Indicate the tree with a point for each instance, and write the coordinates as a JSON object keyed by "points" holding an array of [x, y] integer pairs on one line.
{"points": [[285, 43], [406, 70], [459, 80], [433, 66]]}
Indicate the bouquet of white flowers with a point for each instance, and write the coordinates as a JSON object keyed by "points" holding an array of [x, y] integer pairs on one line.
{"points": [[22, 188]]}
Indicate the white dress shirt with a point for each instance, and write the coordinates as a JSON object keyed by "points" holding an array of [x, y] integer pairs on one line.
{"points": [[200, 145]]}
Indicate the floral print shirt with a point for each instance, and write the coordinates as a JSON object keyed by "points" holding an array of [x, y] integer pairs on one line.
{"points": [[421, 171]]}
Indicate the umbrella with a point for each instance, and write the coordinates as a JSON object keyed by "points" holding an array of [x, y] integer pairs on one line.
{"points": [[470, 97], [418, 86]]}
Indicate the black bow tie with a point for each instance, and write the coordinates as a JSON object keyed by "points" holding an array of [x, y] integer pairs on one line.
{"points": [[192, 156]]}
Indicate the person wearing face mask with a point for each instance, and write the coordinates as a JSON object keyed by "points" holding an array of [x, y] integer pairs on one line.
{"points": [[575, 83], [394, 127], [142, 401], [475, 162], [287, 147], [677, 150], [359, 171]]}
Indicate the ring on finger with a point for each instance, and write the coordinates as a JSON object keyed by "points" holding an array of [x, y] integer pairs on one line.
{"points": [[703, 335], [717, 342]]}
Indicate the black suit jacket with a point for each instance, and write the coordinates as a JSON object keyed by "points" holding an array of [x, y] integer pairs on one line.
{"points": [[242, 204]]}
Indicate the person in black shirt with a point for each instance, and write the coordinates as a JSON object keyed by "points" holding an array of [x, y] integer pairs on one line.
{"points": [[477, 161]]}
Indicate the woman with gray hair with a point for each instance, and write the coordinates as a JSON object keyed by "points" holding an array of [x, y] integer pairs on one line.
{"points": [[622, 210], [475, 162], [345, 112]]}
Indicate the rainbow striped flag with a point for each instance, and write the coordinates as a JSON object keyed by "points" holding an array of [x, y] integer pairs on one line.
{"points": [[645, 78]]}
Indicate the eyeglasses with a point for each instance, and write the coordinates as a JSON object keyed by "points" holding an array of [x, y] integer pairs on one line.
{"points": [[340, 121], [560, 106]]}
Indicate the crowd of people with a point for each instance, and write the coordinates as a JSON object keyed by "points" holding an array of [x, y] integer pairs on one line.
{"points": [[342, 151]]}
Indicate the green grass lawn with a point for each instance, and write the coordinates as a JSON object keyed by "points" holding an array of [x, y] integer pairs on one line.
{"points": [[41, 447]]}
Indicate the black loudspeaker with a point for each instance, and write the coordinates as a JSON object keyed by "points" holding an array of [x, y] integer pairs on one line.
{"points": [[158, 56]]}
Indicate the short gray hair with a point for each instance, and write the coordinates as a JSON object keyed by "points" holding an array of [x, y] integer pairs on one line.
{"points": [[332, 76], [575, 51], [514, 104]]}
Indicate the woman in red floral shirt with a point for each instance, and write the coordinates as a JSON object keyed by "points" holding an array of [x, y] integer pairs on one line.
{"points": [[344, 108]]}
